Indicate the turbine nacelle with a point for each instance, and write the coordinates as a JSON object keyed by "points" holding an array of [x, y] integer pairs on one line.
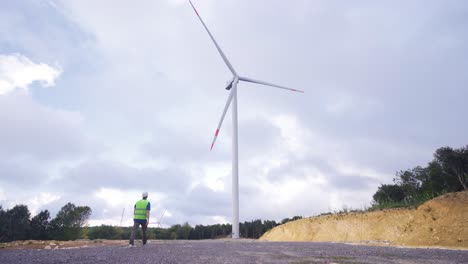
{"points": [[229, 84]]}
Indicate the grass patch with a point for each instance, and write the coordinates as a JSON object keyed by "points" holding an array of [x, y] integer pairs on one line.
{"points": [[414, 202]]}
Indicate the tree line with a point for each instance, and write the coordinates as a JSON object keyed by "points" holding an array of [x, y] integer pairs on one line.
{"points": [[248, 229], [16, 223], [70, 224], [447, 172]]}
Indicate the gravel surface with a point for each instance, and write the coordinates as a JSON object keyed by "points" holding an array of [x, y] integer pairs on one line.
{"points": [[237, 251]]}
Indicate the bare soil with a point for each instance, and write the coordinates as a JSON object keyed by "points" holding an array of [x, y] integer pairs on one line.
{"points": [[54, 244], [441, 222]]}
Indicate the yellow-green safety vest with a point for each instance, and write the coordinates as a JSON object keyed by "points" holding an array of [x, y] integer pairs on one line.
{"points": [[140, 210]]}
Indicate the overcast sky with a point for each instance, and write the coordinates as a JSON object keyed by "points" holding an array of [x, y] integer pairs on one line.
{"points": [[102, 100]]}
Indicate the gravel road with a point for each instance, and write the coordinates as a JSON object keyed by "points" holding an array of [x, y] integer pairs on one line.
{"points": [[238, 251]]}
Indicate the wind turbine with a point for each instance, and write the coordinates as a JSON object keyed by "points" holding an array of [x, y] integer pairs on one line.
{"points": [[232, 86], [123, 211], [159, 223]]}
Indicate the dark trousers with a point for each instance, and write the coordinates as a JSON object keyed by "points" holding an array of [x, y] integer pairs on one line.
{"points": [[144, 227]]}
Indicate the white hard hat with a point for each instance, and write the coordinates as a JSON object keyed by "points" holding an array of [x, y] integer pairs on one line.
{"points": [[144, 194]]}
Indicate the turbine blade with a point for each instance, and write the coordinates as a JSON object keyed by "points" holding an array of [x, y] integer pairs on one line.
{"points": [[214, 41], [226, 107], [245, 79]]}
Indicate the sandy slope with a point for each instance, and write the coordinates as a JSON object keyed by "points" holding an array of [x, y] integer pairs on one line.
{"points": [[442, 222]]}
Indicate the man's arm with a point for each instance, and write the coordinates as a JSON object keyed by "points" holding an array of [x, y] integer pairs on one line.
{"points": [[147, 217]]}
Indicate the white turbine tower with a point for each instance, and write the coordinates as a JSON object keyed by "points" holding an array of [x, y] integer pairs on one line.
{"points": [[233, 97]]}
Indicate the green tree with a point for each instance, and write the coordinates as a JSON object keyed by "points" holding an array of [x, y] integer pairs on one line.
{"points": [[160, 233], [183, 232], [4, 223], [285, 220], [447, 172], [104, 232], [410, 182], [40, 226], [435, 180], [268, 225], [17, 222], [198, 232], [389, 193], [68, 223], [173, 231], [454, 162]]}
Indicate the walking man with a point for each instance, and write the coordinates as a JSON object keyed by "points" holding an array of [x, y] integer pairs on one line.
{"points": [[141, 217]]}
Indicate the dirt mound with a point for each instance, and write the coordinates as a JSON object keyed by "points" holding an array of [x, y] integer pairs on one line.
{"points": [[441, 222]]}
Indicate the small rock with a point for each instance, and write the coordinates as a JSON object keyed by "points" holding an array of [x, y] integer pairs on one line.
{"points": [[47, 247]]}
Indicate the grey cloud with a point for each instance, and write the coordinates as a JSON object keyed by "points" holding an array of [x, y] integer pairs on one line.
{"points": [[41, 32], [182, 146], [32, 130], [256, 136], [204, 201], [299, 169], [405, 65], [21, 171], [94, 174], [201, 202], [352, 182]]}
